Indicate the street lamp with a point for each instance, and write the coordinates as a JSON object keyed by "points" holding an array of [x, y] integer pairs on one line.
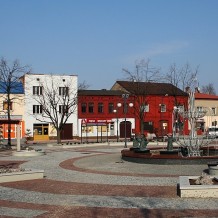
{"points": [[125, 97], [175, 119], [116, 111]]}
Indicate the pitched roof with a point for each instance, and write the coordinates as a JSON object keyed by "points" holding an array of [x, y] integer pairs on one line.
{"points": [[102, 92], [150, 88], [16, 88], [205, 96]]}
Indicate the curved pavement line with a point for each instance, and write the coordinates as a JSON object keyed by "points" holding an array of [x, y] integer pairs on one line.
{"points": [[54, 172], [20, 212], [24, 196]]}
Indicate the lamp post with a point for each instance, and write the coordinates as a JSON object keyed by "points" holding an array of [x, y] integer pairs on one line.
{"points": [[175, 120], [116, 112], [125, 97]]}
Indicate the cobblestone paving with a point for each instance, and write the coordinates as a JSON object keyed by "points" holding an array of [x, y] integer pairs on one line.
{"points": [[95, 182]]}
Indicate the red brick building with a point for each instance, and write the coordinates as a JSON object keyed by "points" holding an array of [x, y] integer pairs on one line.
{"points": [[100, 117]]}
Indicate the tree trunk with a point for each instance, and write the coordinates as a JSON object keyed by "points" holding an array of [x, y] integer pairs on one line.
{"points": [[58, 136], [9, 126], [141, 126]]}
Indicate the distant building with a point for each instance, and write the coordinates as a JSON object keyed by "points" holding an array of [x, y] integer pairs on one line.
{"points": [[210, 104], [16, 110]]}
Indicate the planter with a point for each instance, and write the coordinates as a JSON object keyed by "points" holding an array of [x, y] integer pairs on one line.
{"points": [[21, 175], [196, 191]]}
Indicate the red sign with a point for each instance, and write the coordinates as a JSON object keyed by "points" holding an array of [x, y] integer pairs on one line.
{"points": [[99, 121]]}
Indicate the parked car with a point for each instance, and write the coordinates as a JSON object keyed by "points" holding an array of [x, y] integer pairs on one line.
{"points": [[213, 131]]}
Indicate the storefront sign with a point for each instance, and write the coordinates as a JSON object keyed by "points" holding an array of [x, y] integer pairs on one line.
{"points": [[98, 121], [13, 117]]}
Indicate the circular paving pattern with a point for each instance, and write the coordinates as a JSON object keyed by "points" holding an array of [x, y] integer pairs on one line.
{"points": [[96, 182]]}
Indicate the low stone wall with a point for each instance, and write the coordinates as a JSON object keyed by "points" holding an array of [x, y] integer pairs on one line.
{"points": [[196, 191], [20, 176]]}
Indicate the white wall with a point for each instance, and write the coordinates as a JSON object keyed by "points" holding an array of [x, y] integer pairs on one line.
{"points": [[31, 80]]}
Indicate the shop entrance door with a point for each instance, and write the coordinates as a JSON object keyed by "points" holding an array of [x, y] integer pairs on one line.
{"points": [[40, 132]]}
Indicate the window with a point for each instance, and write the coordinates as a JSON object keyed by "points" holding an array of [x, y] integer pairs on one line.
{"points": [[145, 108], [110, 108], [148, 126], [213, 110], [199, 109], [5, 105], [180, 108], [37, 109], [91, 107], [163, 108], [63, 91], [100, 107], [63, 109], [37, 90], [83, 107]]}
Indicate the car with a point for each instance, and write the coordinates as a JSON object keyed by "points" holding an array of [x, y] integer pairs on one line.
{"points": [[213, 131]]}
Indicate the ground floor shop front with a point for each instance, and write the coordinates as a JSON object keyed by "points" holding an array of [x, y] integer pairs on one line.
{"points": [[99, 130], [46, 131]]}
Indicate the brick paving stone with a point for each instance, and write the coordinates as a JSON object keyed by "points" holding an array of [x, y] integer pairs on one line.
{"points": [[79, 184]]}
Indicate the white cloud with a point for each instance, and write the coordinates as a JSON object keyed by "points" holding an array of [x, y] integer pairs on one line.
{"points": [[158, 49]]}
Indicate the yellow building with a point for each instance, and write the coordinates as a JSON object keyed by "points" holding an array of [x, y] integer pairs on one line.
{"points": [[210, 103]]}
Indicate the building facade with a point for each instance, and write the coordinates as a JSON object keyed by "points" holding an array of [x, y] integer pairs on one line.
{"points": [[16, 108], [210, 104], [56, 94], [154, 105], [102, 117]]}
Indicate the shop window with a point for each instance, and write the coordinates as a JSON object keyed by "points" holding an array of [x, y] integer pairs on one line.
{"points": [[5, 105], [37, 90], [148, 126]]}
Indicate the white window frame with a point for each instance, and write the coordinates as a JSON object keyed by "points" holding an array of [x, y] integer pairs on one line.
{"points": [[213, 109], [37, 90], [37, 109], [163, 108], [145, 108]]}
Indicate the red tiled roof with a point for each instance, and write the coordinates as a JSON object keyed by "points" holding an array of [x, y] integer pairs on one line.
{"points": [[151, 88], [205, 96], [102, 92]]}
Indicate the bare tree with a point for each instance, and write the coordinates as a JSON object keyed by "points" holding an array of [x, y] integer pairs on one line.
{"points": [[9, 83], [182, 77], [143, 72], [58, 105], [140, 78], [83, 85], [208, 89]]}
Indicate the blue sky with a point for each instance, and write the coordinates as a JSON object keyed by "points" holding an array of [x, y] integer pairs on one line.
{"points": [[95, 39]]}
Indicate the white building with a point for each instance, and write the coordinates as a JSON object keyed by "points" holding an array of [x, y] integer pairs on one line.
{"points": [[54, 95]]}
